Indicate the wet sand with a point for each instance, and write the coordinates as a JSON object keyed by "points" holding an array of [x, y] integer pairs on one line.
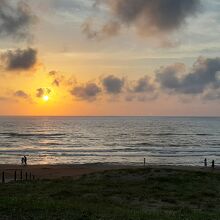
{"points": [[75, 171]]}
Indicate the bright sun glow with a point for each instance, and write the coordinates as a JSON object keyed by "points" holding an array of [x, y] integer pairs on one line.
{"points": [[46, 98]]}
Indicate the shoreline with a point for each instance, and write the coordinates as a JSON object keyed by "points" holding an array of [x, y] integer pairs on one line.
{"points": [[76, 171]]}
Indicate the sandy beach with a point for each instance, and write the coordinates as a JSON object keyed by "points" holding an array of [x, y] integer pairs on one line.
{"points": [[55, 171], [75, 171]]}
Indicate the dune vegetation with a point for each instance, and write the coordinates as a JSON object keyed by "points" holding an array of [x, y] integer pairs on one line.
{"points": [[148, 193]]}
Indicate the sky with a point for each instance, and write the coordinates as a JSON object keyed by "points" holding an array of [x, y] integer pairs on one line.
{"points": [[110, 57]]}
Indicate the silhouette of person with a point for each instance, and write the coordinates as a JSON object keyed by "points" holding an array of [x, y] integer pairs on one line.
{"points": [[25, 160], [205, 162], [213, 164], [22, 161]]}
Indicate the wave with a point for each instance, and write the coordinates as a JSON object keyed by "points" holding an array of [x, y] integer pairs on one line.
{"points": [[175, 134], [39, 135]]}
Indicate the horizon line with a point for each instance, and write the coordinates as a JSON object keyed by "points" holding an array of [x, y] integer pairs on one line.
{"points": [[171, 116]]}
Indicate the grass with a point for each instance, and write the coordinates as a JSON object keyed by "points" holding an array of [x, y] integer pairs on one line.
{"points": [[154, 194]]}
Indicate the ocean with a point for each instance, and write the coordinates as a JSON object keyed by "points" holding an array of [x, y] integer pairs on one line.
{"points": [[113, 140]]}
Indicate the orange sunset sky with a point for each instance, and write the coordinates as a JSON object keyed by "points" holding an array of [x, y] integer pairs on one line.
{"points": [[110, 57]]}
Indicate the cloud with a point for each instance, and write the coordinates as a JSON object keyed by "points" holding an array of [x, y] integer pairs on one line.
{"points": [[19, 59], [88, 92], [113, 85], [42, 92], [203, 75], [149, 17], [57, 78], [144, 89], [21, 94], [143, 85], [15, 19], [109, 29]]}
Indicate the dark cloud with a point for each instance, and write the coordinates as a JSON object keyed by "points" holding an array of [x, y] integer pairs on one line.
{"points": [[88, 92], [203, 75], [113, 84], [144, 89], [42, 91], [144, 85], [21, 94], [19, 59], [149, 17], [15, 19]]}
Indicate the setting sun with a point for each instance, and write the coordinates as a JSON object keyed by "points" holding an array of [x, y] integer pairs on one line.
{"points": [[46, 98]]}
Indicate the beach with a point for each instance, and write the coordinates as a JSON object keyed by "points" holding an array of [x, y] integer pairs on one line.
{"points": [[76, 171], [55, 171]]}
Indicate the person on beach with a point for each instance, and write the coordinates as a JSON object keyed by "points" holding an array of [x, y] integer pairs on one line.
{"points": [[205, 162], [213, 164], [22, 161], [25, 160]]}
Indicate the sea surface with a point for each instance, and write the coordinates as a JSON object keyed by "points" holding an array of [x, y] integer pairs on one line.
{"points": [[123, 140]]}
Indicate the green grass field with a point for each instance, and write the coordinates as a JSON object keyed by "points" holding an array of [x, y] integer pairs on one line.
{"points": [[155, 194]]}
